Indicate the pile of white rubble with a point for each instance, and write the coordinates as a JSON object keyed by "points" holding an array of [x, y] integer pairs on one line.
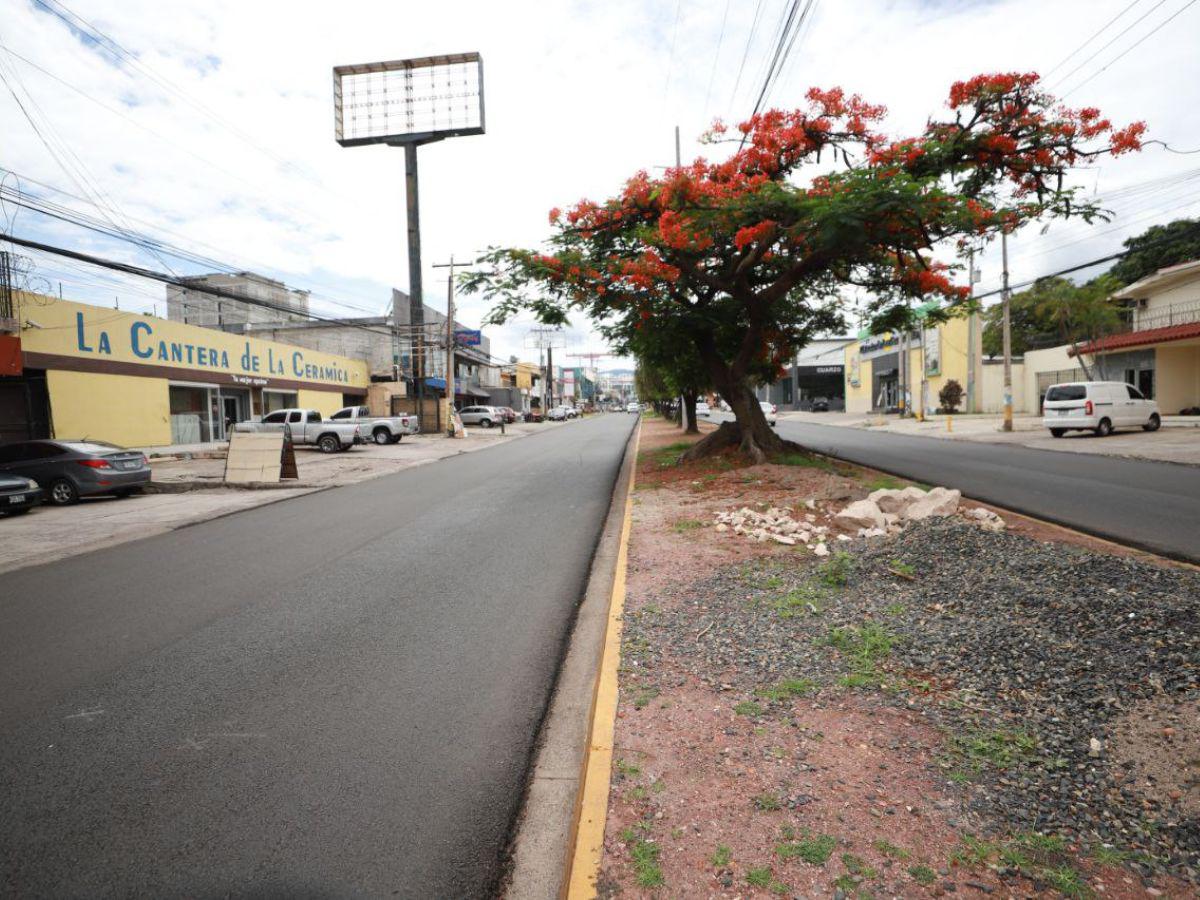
{"points": [[888, 511], [884, 512], [777, 524]]}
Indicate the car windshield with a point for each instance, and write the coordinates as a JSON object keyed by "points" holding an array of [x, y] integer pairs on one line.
{"points": [[95, 447], [1066, 392]]}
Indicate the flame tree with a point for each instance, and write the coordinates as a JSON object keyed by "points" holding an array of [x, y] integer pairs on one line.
{"points": [[738, 264]]}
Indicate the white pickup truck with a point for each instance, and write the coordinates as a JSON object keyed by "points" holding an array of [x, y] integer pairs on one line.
{"points": [[380, 429], [307, 427]]}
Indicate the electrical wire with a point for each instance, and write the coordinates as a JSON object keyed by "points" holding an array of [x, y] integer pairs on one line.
{"points": [[716, 56], [1124, 32], [746, 51], [1102, 29]]}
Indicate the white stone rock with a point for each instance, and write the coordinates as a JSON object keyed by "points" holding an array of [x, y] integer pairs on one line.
{"points": [[938, 502], [861, 514], [843, 537], [783, 539], [821, 550], [895, 501], [722, 527], [890, 518]]}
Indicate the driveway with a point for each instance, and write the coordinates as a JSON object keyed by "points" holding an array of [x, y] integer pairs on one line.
{"points": [[334, 695]]}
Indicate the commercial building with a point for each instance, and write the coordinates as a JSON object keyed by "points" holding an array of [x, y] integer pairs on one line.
{"points": [[142, 381], [818, 372], [208, 311], [935, 354]]}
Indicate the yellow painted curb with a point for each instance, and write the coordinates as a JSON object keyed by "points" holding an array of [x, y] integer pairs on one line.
{"points": [[593, 804]]}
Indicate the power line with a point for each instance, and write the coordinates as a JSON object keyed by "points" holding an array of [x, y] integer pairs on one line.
{"points": [[1131, 47], [1124, 32], [746, 51], [671, 56], [1101, 30], [716, 56]]}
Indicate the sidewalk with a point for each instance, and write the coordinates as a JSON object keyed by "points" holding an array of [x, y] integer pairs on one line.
{"points": [[185, 491], [1178, 441]]}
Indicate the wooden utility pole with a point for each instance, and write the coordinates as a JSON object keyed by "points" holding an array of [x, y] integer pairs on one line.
{"points": [[1007, 326], [450, 430]]}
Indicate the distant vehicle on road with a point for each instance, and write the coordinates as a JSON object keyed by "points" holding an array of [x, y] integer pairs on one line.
{"points": [[18, 494], [483, 416], [633, 407], [380, 429], [702, 409], [1097, 406], [308, 428], [558, 414], [68, 470], [510, 414], [768, 411], [820, 404]]}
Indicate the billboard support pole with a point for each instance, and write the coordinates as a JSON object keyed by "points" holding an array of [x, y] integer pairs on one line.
{"points": [[416, 302]]}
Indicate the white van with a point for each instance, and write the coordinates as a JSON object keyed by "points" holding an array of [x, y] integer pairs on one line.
{"points": [[1098, 406]]}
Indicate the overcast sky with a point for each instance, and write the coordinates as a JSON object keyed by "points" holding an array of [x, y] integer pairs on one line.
{"points": [[220, 137]]}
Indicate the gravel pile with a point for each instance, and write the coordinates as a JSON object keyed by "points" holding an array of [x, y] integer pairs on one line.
{"points": [[1027, 653]]}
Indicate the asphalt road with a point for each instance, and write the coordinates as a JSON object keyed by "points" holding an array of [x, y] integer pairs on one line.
{"points": [[331, 696], [1151, 505]]}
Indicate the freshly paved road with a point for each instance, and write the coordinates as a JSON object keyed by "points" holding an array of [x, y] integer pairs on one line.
{"points": [[1151, 505], [335, 695]]}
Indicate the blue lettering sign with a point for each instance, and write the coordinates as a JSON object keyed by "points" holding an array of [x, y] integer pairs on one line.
{"points": [[83, 347], [135, 332]]}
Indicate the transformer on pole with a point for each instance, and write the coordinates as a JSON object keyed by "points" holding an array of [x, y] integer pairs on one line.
{"points": [[406, 103]]}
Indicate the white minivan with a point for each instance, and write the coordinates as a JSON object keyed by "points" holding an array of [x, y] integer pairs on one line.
{"points": [[1097, 406]]}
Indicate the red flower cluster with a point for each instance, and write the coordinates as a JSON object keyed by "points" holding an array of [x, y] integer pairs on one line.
{"points": [[752, 233], [989, 87], [675, 232]]}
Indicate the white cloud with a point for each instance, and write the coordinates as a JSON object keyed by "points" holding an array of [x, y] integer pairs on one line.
{"points": [[577, 99]]}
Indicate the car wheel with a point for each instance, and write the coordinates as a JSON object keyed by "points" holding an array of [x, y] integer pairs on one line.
{"points": [[381, 436], [63, 492], [396, 438], [328, 443], [1154, 423], [1057, 432], [485, 423], [1104, 429]]}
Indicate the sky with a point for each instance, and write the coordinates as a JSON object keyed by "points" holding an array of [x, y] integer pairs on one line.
{"points": [[215, 133]]}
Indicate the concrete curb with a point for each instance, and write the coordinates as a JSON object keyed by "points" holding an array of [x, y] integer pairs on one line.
{"points": [[566, 798]]}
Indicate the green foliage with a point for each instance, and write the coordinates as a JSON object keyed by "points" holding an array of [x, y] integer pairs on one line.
{"points": [[885, 483], [804, 460], [1000, 748], [805, 599], [864, 648], [836, 570], [923, 874], [889, 849], [789, 688], [1158, 247], [814, 850], [759, 876], [1054, 311], [721, 856], [748, 708], [646, 867], [950, 396], [856, 866]]}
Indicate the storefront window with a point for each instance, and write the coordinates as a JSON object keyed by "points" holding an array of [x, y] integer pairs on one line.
{"points": [[273, 400], [190, 415]]}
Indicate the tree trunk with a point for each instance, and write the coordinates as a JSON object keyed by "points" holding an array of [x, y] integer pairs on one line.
{"points": [[689, 406], [750, 433]]}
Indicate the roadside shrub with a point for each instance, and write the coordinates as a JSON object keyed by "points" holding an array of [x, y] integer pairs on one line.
{"points": [[950, 396]]}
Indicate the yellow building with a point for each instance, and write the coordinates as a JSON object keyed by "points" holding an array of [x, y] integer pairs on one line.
{"points": [[936, 355], [141, 381]]}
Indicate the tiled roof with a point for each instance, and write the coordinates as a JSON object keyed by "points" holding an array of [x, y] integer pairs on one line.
{"points": [[1139, 338]]}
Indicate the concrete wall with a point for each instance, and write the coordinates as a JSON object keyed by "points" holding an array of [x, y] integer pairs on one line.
{"points": [[991, 394], [121, 409], [1052, 359], [858, 397], [324, 402], [1177, 379]]}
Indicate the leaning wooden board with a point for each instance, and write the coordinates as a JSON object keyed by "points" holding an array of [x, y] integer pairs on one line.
{"points": [[253, 457]]}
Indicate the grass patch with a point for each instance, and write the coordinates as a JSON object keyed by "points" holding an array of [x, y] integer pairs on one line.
{"points": [[767, 803], [785, 690], [685, 525], [999, 749], [1066, 881], [885, 483], [626, 770], [903, 568], [835, 572], [638, 792], [645, 863], [748, 708], [895, 609], [864, 648], [923, 875], [643, 698], [814, 850], [887, 848], [759, 876], [721, 856], [658, 786], [805, 460], [807, 599], [1111, 856], [856, 866]]}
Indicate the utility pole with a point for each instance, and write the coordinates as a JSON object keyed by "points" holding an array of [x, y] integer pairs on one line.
{"points": [[450, 342], [1004, 298], [903, 342], [972, 325], [550, 373]]}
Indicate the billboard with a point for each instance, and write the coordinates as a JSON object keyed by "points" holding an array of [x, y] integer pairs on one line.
{"points": [[408, 101], [466, 337]]}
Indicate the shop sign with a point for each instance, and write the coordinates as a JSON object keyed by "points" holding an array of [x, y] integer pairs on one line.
{"points": [[932, 345], [855, 367], [879, 345], [140, 340], [829, 370]]}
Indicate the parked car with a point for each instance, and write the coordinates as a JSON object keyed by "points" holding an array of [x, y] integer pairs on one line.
{"points": [[820, 404], [18, 494], [68, 470], [557, 414], [769, 411], [308, 428], [572, 412], [380, 429], [510, 414], [1097, 406], [633, 407], [483, 416], [702, 409], [534, 415]]}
